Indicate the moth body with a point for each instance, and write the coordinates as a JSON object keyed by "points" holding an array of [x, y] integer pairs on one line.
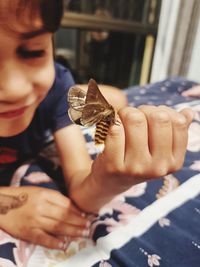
{"points": [[101, 132]]}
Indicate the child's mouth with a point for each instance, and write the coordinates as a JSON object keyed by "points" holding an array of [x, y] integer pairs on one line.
{"points": [[13, 113]]}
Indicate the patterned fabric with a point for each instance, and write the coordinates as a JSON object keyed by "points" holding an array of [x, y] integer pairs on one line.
{"points": [[151, 224]]}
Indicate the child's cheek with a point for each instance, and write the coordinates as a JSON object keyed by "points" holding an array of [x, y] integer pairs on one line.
{"points": [[45, 79]]}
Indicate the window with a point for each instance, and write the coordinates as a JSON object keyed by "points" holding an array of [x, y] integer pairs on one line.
{"points": [[111, 41]]}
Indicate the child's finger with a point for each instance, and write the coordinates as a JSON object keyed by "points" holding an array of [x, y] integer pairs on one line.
{"points": [[55, 227], [40, 237], [180, 123], [181, 133], [160, 132], [189, 114], [136, 133], [65, 215], [114, 145]]}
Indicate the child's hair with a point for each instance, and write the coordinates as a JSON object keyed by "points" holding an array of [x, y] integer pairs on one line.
{"points": [[50, 11]]}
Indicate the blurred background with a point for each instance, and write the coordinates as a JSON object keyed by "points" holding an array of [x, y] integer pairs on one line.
{"points": [[129, 42]]}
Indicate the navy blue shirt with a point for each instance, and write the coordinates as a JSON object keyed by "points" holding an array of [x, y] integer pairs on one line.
{"points": [[51, 115]]}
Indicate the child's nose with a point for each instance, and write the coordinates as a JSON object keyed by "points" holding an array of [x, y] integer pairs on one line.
{"points": [[14, 84]]}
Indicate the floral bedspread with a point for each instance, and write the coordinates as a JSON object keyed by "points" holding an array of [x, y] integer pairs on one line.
{"points": [[152, 224]]}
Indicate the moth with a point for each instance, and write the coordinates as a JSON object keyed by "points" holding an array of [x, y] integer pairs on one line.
{"points": [[91, 108]]}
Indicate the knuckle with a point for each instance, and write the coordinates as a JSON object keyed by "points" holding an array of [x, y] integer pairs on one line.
{"points": [[146, 108], [37, 238], [160, 116], [123, 111], [63, 215], [142, 107], [180, 121], [115, 130], [67, 206], [161, 169], [177, 164], [163, 107], [114, 169], [57, 227], [135, 117], [137, 170], [39, 209]]}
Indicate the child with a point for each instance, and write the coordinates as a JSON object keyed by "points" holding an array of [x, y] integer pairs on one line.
{"points": [[148, 142]]}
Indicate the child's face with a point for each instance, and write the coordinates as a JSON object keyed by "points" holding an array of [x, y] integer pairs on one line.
{"points": [[26, 72]]}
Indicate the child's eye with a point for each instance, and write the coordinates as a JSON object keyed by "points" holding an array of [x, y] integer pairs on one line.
{"points": [[24, 53]]}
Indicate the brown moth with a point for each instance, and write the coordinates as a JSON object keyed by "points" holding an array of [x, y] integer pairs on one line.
{"points": [[91, 108]]}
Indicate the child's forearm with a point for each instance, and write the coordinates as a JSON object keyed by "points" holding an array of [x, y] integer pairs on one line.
{"points": [[89, 196]]}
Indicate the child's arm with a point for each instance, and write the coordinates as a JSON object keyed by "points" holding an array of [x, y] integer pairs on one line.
{"points": [[148, 143]]}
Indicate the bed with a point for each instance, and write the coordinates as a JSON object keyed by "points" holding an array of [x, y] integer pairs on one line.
{"points": [[152, 224]]}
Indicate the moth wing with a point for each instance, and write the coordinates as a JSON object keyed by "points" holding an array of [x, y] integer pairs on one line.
{"points": [[96, 106], [88, 108], [75, 116], [76, 98], [94, 95], [92, 113]]}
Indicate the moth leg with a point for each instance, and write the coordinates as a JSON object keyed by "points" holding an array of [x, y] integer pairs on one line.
{"points": [[117, 122]]}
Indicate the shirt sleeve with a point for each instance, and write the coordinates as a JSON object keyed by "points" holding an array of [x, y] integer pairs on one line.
{"points": [[57, 99]]}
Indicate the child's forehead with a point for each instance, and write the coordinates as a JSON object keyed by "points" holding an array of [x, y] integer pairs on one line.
{"points": [[17, 11], [13, 7], [17, 20]]}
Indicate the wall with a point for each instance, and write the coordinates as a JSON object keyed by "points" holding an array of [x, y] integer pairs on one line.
{"points": [[177, 46], [194, 68]]}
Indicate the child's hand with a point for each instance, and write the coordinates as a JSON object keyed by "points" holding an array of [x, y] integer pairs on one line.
{"points": [[44, 219], [192, 92], [148, 143]]}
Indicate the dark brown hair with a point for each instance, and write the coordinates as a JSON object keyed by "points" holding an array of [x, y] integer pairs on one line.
{"points": [[51, 13]]}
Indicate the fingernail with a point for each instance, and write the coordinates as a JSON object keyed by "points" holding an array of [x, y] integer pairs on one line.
{"points": [[66, 245], [88, 224], [61, 245], [83, 214], [85, 233]]}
